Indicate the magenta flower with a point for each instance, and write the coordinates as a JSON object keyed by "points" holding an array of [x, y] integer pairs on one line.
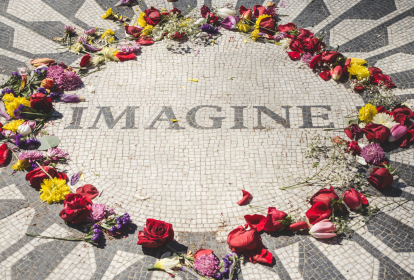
{"points": [[55, 154], [129, 47], [99, 212], [307, 58], [373, 153], [68, 80], [31, 156], [70, 98], [230, 22], [397, 132], [207, 265]]}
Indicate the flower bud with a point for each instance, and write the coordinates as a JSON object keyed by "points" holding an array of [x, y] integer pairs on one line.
{"points": [[397, 132], [336, 72], [354, 199], [323, 229], [247, 14], [26, 128]]}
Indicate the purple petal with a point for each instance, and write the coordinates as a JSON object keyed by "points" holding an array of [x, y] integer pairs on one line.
{"points": [[75, 178]]}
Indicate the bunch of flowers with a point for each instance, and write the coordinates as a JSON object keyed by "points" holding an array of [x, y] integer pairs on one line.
{"points": [[64, 77], [116, 225]]}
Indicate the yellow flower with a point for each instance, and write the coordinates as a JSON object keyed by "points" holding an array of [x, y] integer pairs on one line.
{"points": [[147, 30], [108, 35], [168, 264], [53, 190], [109, 54], [77, 48], [141, 20], [108, 13], [358, 61], [367, 113], [255, 35], [259, 19], [243, 27], [13, 125], [12, 103], [359, 71], [21, 165]]}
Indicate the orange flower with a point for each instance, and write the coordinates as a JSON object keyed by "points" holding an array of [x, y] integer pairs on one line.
{"points": [[47, 83], [42, 61]]}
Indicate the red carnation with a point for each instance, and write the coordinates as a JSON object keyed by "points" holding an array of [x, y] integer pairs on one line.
{"points": [[353, 147], [152, 16], [40, 102], [76, 208], [156, 233], [380, 178]]}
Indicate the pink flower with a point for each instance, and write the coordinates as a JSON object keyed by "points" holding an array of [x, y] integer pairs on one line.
{"points": [[336, 72], [397, 132], [99, 212], [323, 229], [354, 199]]}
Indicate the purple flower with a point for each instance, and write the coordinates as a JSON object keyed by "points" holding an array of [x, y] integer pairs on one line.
{"points": [[90, 31], [70, 98], [82, 39], [97, 233], [307, 58], [280, 36], [91, 48], [71, 30], [18, 113], [68, 80], [75, 178], [26, 144], [9, 134], [208, 28], [16, 75], [373, 153], [207, 265], [55, 154], [40, 72], [7, 91], [230, 22], [42, 90], [55, 95], [283, 4], [99, 212], [31, 156], [123, 2], [122, 223], [128, 48]]}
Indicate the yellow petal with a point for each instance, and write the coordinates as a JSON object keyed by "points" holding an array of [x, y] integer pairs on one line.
{"points": [[245, 41], [277, 43], [174, 120], [358, 61], [184, 88], [82, 177], [193, 80]]}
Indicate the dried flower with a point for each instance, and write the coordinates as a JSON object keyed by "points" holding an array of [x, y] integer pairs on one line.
{"points": [[71, 30], [373, 153], [207, 265], [285, 43], [129, 47]]}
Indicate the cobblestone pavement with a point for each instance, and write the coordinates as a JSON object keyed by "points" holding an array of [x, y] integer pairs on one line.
{"points": [[244, 125]]}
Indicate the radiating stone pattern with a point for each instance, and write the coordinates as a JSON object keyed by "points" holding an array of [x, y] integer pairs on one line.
{"points": [[244, 125]]}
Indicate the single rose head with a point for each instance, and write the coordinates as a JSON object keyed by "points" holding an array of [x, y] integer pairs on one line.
{"points": [[156, 234], [76, 208], [354, 199], [323, 229]]}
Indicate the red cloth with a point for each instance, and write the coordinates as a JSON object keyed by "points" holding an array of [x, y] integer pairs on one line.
{"points": [[88, 191]]}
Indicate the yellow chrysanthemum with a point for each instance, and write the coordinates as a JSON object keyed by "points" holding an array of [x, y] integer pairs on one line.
{"points": [[147, 30], [367, 113], [108, 14], [259, 19], [13, 125], [53, 190], [358, 61], [359, 71], [108, 35], [21, 165], [109, 54], [243, 27], [255, 35], [12, 103], [141, 20]]}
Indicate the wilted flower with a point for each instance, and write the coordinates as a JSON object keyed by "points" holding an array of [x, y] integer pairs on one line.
{"points": [[208, 28], [70, 98], [230, 22], [71, 30], [285, 43], [167, 264], [129, 47], [31, 156], [397, 132], [21, 165], [207, 265], [373, 153], [90, 31], [77, 48], [99, 212], [56, 154]]}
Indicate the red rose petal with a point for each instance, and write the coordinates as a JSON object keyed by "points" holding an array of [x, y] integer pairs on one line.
{"points": [[294, 55], [246, 197]]}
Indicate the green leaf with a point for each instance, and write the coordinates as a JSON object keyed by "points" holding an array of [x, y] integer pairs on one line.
{"points": [[315, 164], [47, 142]]}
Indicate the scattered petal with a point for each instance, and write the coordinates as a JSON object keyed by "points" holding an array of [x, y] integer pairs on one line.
{"points": [[246, 197]]}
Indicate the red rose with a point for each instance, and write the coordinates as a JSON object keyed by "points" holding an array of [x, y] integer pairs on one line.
{"points": [[286, 27], [305, 34], [85, 60], [256, 221], [213, 18], [354, 199], [258, 10], [37, 176], [318, 212], [40, 102], [325, 75], [359, 89], [374, 70], [297, 226], [175, 11], [246, 197], [353, 131], [76, 208], [4, 153], [274, 219], [402, 115], [381, 109], [296, 46], [346, 65], [206, 10], [380, 178], [250, 244], [268, 26], [330, 56], [156, 234], [315, 61], [353, 147], [133, 31], [325, 196], [294, 55], [407, 139], [312, 45], [152, 16], [376, 132], [377, 77]]}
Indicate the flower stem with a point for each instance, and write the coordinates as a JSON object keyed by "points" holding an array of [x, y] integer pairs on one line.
{"points": [[297, 185], [44, 170], [333, 129], [53, 237], [181, 255]]}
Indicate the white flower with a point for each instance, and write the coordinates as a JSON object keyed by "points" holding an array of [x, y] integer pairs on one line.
{"points": [[97, 59], [200, 21], [285, 43], [168, 264], [91, 88], [109, 54], [157, 33], [77, 48], [225, 12], [24, 129], [22, 71], [384, 119]]}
